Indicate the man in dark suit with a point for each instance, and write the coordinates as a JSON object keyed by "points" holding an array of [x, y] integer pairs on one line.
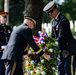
{"points": [[61, 31], [5, 31], [20, 37]]}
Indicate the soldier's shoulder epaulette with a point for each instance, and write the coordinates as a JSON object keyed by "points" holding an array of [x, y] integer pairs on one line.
{"points": [[63, 19]]}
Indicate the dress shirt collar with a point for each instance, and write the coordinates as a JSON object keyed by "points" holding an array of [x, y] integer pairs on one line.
{"points": [[56, 18]]}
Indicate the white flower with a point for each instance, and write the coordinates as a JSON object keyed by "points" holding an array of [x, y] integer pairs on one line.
{"points": [[31, 72], [38, 71], [29, 52], [32, 62], [53, 68], [43, 73], [27, 62], [56, 42], [42, 61], [51, 50]]}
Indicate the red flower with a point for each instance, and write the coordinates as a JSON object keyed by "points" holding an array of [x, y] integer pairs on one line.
{"points": [[48, 67], [34, 72], [28, 64], [51, 53]]}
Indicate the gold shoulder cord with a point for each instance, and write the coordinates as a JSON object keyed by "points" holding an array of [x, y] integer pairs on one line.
{"points": [[38, 51], [13, 69]]}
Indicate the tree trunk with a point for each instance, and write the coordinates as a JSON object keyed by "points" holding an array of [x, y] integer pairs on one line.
{"points": [[34, 8]]}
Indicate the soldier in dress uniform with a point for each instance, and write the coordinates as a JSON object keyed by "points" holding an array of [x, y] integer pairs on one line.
{"points": [[20, 37], [5, 31], [61, 31]]}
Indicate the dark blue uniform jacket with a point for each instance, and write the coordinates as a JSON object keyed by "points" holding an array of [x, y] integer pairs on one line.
{"points": [[61, 31], [5, 32]]}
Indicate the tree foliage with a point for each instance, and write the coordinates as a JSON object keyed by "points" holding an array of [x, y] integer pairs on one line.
{"points": [[69, 9], [1, 5], [16, 11]]}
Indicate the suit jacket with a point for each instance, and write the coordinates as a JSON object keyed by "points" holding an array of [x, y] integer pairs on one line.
{"points": [[18, 41], [5, 32], [61, 31]]}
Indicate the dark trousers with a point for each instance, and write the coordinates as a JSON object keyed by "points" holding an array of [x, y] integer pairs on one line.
{"points": [[61, 70], [67, 65], [2, 66], [13, 68], [64, 67], [74, 64]]}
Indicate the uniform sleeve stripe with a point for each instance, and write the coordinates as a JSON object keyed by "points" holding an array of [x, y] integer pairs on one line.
{"points": [[72, 59], [13, 69], [38, 51]]}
